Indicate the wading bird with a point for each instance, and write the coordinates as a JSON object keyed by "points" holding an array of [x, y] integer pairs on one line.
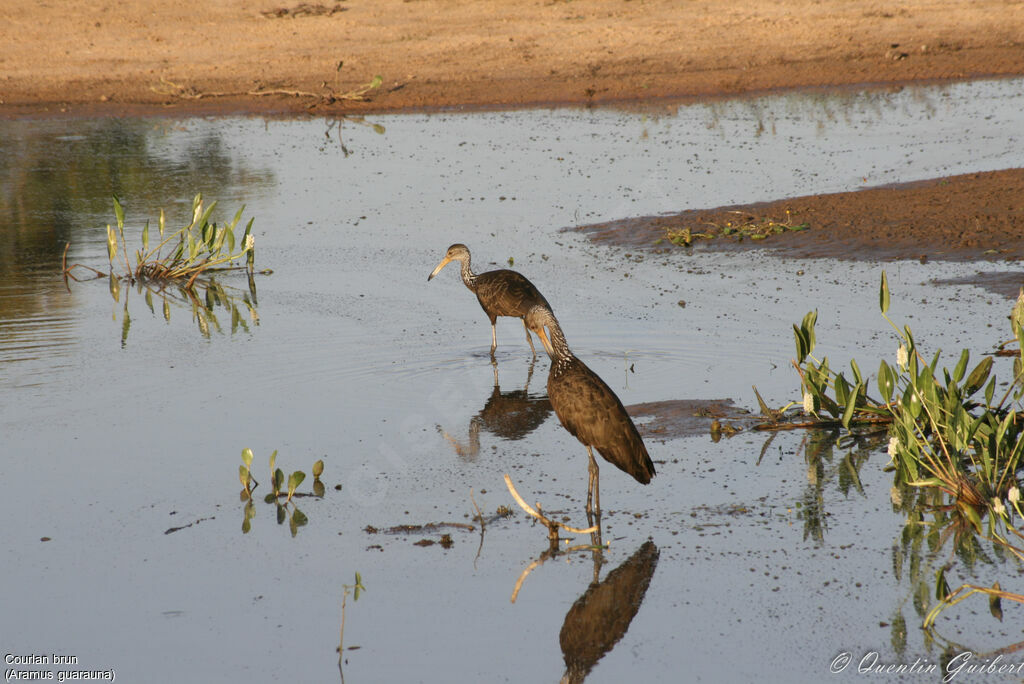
{"points": [[500, 293], [589, 409]]}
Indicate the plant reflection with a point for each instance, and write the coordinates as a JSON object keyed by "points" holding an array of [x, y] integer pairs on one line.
{"points": [[936, 533], [509, 415], [205, 299], [819, 449]]}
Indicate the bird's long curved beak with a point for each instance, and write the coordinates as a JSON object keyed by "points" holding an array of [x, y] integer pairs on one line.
{"points": [[444, 262], [543, 335]]}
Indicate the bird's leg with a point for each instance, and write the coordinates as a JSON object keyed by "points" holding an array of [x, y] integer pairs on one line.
{"points": [[593, 489], [494, 367], [494, 339], [529, 374], [529, 339]]}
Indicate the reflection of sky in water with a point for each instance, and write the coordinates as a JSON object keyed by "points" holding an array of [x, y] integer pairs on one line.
{"points": [[359, 361]]}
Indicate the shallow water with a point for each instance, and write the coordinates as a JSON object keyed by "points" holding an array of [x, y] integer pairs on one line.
{"points": [[114, 435]]}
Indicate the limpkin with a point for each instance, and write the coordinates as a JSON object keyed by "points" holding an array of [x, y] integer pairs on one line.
{"points": [[589, 409], [500, 293]]}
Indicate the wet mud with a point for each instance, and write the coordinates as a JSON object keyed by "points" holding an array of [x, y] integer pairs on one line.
{"points": [[971, 217]]}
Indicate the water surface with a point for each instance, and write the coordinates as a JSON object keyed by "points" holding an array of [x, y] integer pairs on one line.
{"points": [[113, 435]]}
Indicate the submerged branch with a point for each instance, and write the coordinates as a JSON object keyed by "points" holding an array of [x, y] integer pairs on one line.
{"points": [[553, 525]]}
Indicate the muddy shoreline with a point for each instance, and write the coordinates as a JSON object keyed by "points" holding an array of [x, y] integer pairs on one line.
{"points": [[190, 58]]}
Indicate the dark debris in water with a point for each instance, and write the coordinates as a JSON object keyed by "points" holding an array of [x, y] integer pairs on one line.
{"points": [[169, 530], [407, 529]]}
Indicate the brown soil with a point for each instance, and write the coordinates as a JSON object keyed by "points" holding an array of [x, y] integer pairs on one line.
{"points": [[978, 216], [181, 57]]}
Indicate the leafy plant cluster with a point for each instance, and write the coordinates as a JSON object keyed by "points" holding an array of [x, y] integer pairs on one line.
{"points": [[295, 517], [949, 431], [184, 254]]}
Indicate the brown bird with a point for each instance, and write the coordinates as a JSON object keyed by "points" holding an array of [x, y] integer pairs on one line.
{"points": [[589, 409], [500, 293]]}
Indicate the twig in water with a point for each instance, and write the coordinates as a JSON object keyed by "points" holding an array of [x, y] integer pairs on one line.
{"points": [[552, 525]]}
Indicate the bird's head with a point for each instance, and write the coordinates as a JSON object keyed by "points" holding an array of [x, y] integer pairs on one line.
{"points": [[457, 252], [538, 319]]}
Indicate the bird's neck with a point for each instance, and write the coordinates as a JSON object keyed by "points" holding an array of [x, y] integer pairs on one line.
{"points": [[468, 277], [559, 345]]}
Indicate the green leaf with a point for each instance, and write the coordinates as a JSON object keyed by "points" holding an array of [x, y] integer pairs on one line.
{"points": [[247, 457], [977, 377], [801, 345], [145, 237], [808, 326], [376, 82], [294, 480], [842, 391], [961, 365], [856, 372], [243, 475], [119, 213], [851, 405], [318, 469], [273, 460], [161, 223], [883, 294], [886, 382]]}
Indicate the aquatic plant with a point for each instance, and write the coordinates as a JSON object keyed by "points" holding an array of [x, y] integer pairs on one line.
{"points": [[745, 227], [355, 590], [280, 488], [178, 269], [942, 436], [180, 256]]}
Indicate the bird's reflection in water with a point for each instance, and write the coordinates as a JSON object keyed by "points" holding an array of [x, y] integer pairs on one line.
{"points": [[601, 616], [510, 415]]}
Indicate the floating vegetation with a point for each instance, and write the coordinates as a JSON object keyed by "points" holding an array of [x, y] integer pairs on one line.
{"points": [[943, 436], [295, 517], [181, 256], [178, 270], [746, 226]]}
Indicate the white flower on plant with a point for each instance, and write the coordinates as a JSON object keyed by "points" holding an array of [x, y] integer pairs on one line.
{"points": [[808, 403], [997, 506], [893, 448], [1013, 496], [901, 357], [250, 242]]}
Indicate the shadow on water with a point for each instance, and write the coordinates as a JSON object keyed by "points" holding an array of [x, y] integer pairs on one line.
{"points": [[509, 415]]}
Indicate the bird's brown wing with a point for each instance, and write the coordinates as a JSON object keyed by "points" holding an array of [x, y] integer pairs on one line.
{"points": [[592, 413], [507, 293]]}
